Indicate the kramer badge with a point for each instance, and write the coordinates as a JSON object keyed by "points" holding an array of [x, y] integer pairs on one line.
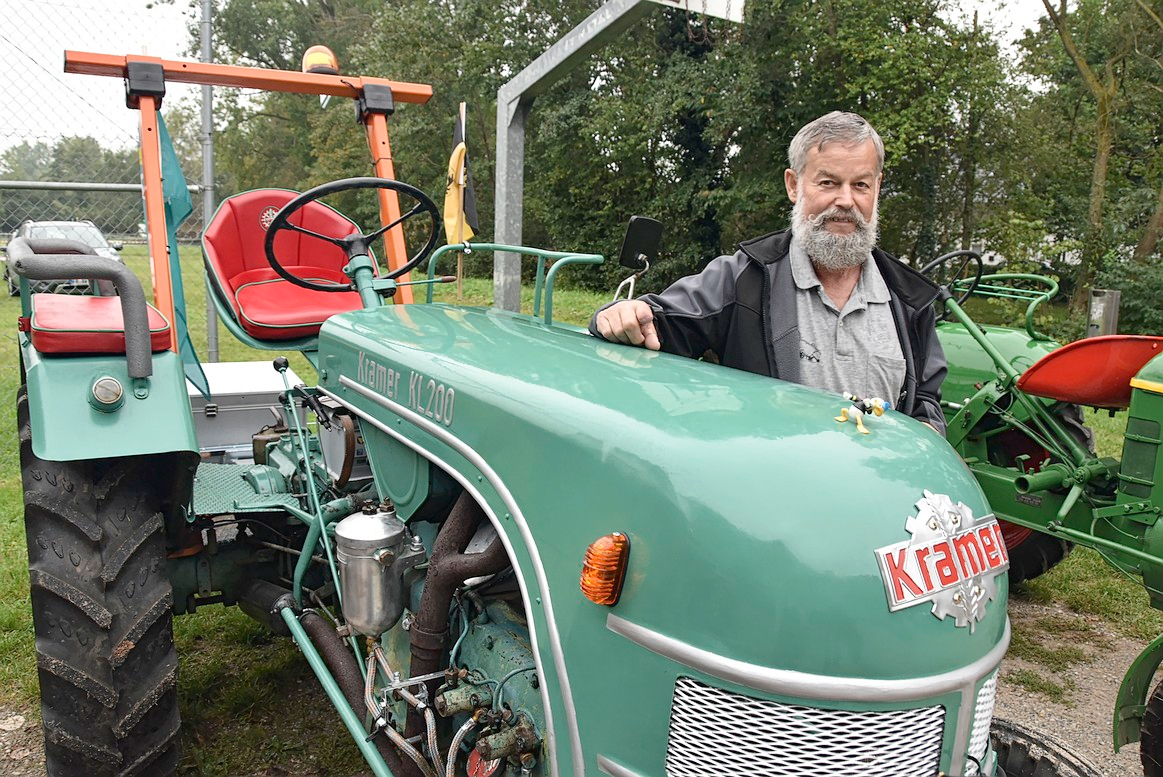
{"points": [[952, 561]]}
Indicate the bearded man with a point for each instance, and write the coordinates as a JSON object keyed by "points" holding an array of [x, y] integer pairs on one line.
{"points": [[818, 304]]}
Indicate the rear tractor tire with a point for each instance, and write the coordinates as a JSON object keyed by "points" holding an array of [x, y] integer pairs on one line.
{"points": [[1023, 752], [1151, 735], [101, 607], [1032, 553]]}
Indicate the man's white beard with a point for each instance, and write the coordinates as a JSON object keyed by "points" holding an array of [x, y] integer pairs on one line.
{"points": [[828, 249]]}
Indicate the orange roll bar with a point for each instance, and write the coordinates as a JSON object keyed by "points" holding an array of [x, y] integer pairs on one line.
{"points": [[396, 253], [204, 73], [210, 74], [155, 215]]}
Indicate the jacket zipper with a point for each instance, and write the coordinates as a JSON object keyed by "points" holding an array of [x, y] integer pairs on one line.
{"points": [[764, 303]]}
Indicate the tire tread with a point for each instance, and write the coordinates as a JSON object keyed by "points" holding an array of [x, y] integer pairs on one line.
{"points": [[101, 611]]}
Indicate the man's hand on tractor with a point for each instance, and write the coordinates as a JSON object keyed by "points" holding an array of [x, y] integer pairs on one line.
{"points": [[630, 322]]}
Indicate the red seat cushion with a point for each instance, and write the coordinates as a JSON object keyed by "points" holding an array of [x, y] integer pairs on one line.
{"points": [[1095, 372], [270, 308], [273, 308], [67, 324]]}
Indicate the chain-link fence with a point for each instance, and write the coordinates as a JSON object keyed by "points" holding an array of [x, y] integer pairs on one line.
{"points": [[68, 144]]}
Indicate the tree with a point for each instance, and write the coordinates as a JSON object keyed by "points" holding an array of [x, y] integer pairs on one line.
{"points": [[668, 121], [1105, 41], [1154, 229], [72, 159]]}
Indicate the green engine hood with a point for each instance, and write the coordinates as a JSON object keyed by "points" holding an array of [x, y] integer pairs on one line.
{"points": [[970, 365], [753, 515]]}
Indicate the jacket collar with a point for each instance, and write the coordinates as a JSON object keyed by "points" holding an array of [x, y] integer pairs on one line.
{"points": [[914, 289]]}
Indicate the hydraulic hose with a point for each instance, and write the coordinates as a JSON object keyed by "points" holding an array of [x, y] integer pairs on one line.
{"points": [[376, 656], [433, 744], [345, 670], [448, 567], [461, 733]]}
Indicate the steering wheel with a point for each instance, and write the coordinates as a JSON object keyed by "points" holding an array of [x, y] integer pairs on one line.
{"points": [[357, 243], [956, 279]]}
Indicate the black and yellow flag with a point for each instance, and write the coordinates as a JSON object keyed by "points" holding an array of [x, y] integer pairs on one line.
{"points": [[460, 207]]}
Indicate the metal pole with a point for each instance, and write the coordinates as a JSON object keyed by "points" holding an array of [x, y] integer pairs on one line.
{"points": [[509, 221], [514, 101], [1103, 316], [208, 171]]}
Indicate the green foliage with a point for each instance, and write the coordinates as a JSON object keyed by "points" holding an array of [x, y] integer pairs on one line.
{"points": [[1141, 289], [69, 159], [688, 120]]}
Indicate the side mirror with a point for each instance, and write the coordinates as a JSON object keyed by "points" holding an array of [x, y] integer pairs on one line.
{"points": [[117, 246], [640, 246]]}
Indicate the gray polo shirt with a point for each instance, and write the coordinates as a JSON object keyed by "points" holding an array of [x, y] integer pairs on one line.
{"points": [[855, 349]]}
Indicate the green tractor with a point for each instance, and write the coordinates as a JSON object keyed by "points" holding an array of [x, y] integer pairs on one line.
{"points": [[503, 546], [1012, 402]]}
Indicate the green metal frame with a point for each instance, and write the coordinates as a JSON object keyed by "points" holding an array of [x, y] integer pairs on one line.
{"points": [[67, 427], [542, 279], [1123, 528], [998, 285]]}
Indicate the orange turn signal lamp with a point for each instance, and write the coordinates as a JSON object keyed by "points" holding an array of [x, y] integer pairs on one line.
{"points": [[604, 568]]}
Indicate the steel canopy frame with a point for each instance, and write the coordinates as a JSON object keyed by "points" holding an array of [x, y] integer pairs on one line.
{"points": [[515, 99], [209, 74]]}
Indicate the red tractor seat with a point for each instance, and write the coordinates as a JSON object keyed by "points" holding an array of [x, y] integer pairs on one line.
{"points": [[266, 306], [67, 324], [1095, 371]]}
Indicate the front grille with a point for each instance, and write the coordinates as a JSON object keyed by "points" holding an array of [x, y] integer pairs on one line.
{"points": [[717, 733], [982, 717]]}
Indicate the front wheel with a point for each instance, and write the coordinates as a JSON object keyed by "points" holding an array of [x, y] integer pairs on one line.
{"points": [[101, 609], [1023, 752]]}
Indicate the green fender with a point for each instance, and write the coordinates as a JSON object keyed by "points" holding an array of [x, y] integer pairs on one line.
{"points": [[66, 427], [1131, 702]]}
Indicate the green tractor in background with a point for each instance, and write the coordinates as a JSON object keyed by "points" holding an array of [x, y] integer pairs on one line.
{"points": [[503, 546], [1012, 402]]}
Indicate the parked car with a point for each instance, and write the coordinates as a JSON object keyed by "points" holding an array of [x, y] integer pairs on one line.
{"points": [[83, 231]]}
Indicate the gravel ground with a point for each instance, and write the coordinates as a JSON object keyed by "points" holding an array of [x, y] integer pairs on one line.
{"points": [[21, 744], [1083, 721]]}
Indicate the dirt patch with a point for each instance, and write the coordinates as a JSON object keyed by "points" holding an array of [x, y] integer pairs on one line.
{"points": [[21, 744], [1061, 676]]}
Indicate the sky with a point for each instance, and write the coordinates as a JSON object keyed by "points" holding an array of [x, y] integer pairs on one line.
{"points": [[43, 103]]}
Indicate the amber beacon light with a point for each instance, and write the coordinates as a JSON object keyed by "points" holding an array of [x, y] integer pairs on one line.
{"points": [[320, 59], [604, 568]]}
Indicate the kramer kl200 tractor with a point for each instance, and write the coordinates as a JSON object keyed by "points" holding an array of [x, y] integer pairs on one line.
{"points": [[503, 546]]}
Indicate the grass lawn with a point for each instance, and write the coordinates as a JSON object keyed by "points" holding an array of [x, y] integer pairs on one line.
{"points": [[248, 700]]}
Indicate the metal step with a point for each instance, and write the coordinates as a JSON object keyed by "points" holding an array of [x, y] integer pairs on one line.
{"points": [[221, 489]]}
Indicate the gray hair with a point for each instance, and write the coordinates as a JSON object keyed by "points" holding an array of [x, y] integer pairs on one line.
{"points": [[848, 129]]}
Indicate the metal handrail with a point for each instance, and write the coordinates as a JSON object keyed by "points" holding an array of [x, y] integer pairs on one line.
{"points": [[562, 259], [1036, 298]]}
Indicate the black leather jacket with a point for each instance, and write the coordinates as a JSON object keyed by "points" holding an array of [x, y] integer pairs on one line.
{"points": [[742, 309]]}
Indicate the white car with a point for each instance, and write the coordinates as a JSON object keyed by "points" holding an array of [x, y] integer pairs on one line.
{"points": [[83, 231]]}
